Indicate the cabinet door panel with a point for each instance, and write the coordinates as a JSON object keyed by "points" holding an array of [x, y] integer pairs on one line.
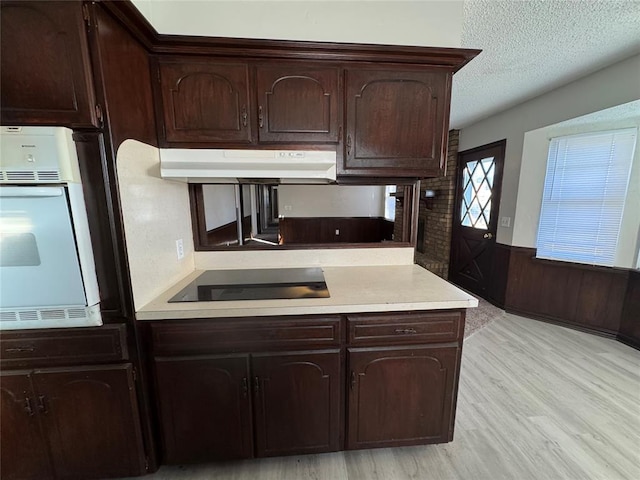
{"points": [[205, 102], [298, 103], [396, 122], [45, 67], [297, 407], [204, 408], [401, 396], [23, 450], [91, 418]]}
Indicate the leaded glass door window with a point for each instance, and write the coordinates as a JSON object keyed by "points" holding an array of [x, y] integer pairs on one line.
{"points": [[477, 185]]}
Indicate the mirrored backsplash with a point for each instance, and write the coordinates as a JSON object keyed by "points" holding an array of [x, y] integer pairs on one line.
{"points": [[255, 215]]}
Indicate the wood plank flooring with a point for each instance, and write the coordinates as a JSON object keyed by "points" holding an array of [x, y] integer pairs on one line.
{"points": [[536, 401]]}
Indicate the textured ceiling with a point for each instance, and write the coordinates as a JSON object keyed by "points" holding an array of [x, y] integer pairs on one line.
{"points": [[626, 111], [532, 47]]}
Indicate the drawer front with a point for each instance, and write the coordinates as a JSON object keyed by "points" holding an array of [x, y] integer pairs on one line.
{"points": [[232, 334], [404, 328], [63, 346]]}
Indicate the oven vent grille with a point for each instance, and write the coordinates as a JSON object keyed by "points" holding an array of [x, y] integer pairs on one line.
{"points": [[30, 176], [48, 175], [76, 313], [8, 316], [52, 314], [28, 315], [72, 316]]}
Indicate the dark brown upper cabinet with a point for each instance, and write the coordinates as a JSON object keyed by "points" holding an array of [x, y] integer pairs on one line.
{"points": [[298, 103], [397, 120], [204, 101], [45, 67]]}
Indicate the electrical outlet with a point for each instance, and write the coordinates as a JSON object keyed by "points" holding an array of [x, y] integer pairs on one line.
{"points": [[337, 231], [180, 249], [505, 222]]}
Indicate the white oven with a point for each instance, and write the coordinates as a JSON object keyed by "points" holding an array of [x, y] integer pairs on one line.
{"points": [[47, 272]]}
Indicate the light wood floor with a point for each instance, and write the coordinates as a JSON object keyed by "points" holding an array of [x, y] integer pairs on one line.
{"points": [[536, 401]]}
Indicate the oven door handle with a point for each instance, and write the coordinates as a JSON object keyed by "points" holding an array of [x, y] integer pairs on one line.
{"points": [[30, 192]]}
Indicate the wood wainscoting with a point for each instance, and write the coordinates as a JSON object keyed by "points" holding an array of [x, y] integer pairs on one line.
{"points": [[629, 331], [304, 230], [595, 299]]}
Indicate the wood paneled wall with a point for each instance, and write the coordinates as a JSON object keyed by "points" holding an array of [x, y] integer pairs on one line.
{"points": [[298, 230], [629, 331], [585, 297]]}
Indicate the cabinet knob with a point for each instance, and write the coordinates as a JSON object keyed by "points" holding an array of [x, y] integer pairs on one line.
{"points": [[406, 331], [488, 235], [42, 405], [19, 349], [27, 406], [244, 115], [245, 387], [260, 117]]}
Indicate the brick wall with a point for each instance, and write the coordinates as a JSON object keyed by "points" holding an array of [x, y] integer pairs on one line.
{"points": [[439, 217]]}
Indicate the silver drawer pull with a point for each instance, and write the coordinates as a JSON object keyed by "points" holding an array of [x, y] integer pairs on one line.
{"points": [[406, 331], [19, 349]]}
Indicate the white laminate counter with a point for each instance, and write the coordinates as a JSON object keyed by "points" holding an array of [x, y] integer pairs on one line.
{"points": [[352, 290]]}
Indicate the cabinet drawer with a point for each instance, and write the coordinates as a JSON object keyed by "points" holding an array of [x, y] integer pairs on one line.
{"points": [[402, 328], [232, 334], [63, 347]]}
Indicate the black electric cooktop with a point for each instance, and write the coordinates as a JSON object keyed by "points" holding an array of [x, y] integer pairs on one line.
{"points": [[263, 284]]}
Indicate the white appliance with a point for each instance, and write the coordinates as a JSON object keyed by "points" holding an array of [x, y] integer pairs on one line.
{"points": [[47, 271], [238, 166]]}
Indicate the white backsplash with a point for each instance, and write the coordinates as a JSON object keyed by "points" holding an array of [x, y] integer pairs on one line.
{"points": [[156, 214], [327, 257]]}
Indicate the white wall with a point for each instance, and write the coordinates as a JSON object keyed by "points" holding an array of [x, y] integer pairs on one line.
{"points": [[533, 170], [425, 23], [219, 205], [614, 85], [330, 201], [156, 213]]}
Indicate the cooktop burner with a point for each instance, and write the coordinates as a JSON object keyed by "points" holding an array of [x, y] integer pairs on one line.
{"points": [[262, 284]]}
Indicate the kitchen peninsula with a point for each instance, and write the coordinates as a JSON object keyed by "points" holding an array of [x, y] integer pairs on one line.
{"points": [[375, 364]]}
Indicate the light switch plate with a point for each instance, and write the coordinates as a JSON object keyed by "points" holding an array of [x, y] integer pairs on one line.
{"points": [[180, 249], [505, 222]]}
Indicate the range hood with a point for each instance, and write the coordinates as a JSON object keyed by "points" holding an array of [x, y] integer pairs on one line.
{"points": [[240, 166]]}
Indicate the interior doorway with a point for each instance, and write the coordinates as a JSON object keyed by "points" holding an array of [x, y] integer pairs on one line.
{"points": [[475, 218]]}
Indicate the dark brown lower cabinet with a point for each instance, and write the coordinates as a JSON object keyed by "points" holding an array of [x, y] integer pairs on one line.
{"points": [[23, 450], [401, 395], [243, 387], [205, 407], [74, 422], [297, 406], [206, 404]]}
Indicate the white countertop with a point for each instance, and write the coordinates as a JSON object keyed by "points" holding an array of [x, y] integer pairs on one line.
{"points": [[352, 289]]}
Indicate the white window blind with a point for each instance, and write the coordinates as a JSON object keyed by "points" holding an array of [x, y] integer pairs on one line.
{"points": [[584, 195]]}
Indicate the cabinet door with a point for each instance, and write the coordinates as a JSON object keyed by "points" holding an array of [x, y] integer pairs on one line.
{"points": [[205, 102], [45, 67], [297, 406], [23, 450], [401, 396], [204, 408], [396, 122], [298, 103], [90, 417]]}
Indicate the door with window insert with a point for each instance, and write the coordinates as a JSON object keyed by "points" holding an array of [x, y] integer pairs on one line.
{"points": [[475, 219]]}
